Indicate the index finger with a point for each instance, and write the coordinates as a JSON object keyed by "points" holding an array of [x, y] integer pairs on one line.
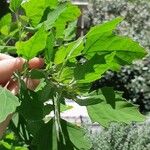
{"points": [[9, 66]]}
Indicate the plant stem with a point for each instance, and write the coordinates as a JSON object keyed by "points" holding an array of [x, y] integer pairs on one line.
{"points": [[57, 117]]}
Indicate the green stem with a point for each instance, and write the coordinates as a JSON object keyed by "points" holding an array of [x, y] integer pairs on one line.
{"points": [[57, 117]]}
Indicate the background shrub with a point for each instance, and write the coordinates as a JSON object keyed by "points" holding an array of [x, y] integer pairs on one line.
{"points": [[122, 137], [133, 80]]}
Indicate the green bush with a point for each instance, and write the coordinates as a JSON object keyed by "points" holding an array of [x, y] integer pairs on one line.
{"points": [[122, 137]]}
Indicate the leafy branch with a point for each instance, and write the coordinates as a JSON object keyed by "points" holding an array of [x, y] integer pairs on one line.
{"points": [[70, 67]]}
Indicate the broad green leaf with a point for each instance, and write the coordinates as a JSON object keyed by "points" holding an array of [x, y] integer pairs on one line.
{"points": [[106, 27], [49, 51], [70, 32], [89, 99], [34, 126], [5, 30], [106, 51], [8, 103], [46, 138], [70, 14], [5, 20], [59, 17], [92, 69], [31, 108], [101, 39], [109, 94], [114, 109], [112, 62], [77, 137], [5, 23], [67, 75], [15, 5], [45, 93], [53, 3], [34, 10], [60, 29], [69, 51], [54, 15], [34, 45], [37, 74], [74, 137]]}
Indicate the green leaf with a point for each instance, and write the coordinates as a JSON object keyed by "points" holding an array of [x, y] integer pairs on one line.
{"points": [[101, 39], [70, 14], [34, 45], [89, 99], [30, 104], [15, 5], [53, 3], [5, 20], [106, 27], [74, 137], [35, 10], [109, 94], [105, 51], [37, 74], [46, 93], [49, 51], [70, 32], [67, 75], [69, 51], [46, 138], [54, 15], [91, 70], [5, 23], [114, 109], [77, 137], [34, 126], [8, 103], [31, 108]]}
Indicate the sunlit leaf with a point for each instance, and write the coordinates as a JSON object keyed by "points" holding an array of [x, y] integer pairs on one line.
{"points": [[101, 39], [15, 4], [8, 103], [68, 51], [114, 109], [34, 45], [34, 10]]}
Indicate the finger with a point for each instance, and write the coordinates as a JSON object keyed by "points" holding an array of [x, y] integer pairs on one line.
{"points": [[36, 63], [32, 83], [13, 87], [8, 66], [4, 56]]}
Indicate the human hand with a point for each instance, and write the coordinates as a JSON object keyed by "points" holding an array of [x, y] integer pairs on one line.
{"points": [[8, 65]]}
